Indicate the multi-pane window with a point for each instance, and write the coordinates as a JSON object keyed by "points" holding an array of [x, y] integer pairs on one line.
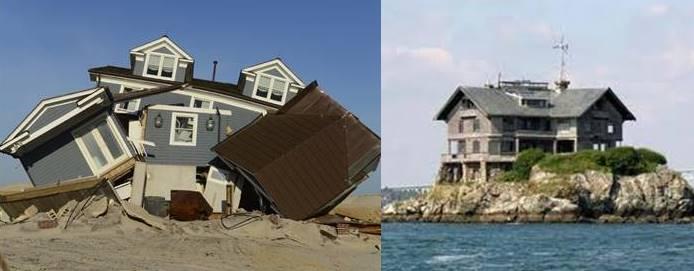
{"points": [[475, 146], [270, 88], [184, 129], [508, 125], [461, 146], [160, 65], [508, 146], [99, 145], [129, 105], [476, 125], [461, 126], [199, 103]]}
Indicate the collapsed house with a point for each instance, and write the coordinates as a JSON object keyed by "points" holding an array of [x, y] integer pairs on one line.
{"points": [[149, 129]]}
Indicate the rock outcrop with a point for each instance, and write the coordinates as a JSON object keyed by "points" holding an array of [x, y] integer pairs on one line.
{"points": [[593, 196]]}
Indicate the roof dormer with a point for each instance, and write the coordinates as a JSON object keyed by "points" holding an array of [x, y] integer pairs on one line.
{"points": [[161, 59], [271, 81]]}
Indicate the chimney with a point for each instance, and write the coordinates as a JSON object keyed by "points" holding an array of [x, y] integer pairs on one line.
{"points": [[214, 69]]}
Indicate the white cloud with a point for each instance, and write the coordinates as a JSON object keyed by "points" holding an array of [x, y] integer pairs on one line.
{"points": [[658, 9], [429, 55]]}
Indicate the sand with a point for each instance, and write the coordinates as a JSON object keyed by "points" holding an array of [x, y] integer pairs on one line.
{"points": [[115, 242]]}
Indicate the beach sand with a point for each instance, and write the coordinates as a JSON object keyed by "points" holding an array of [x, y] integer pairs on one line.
{"points": [[116, 242]]}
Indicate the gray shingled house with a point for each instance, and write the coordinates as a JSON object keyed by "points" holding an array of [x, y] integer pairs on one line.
{"points": [[153, 116], [488, 126]]}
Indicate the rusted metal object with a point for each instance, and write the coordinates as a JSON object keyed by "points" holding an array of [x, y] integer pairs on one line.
{"points": [[189, 206], [47, 224], [305, 158]]}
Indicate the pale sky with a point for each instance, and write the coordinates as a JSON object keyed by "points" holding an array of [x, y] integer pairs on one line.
{"points": [[643, 50]]}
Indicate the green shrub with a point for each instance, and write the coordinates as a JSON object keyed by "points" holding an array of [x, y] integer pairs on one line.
{"points": [[524, 163], [624, 161], [652, 156], [574, 163]]}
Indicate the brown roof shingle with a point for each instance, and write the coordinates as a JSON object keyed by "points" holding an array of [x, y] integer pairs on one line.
{"points": [[307, 156]]}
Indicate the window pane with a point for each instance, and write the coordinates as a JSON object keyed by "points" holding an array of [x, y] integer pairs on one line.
{"points": [[167, 67], [110, 140], [201, 104], [153, 65], [94, 150], [278, 88], [184, 129], [263, 86]]}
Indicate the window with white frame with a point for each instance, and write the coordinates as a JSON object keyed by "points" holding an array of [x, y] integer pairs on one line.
{"points": [[130, 105], [184, 129], [201, 103], [159, 65], [99, 145], [610, 128], [271, 88]]}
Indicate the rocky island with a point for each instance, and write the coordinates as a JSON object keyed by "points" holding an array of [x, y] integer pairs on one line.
{"points": [[620, 185]]}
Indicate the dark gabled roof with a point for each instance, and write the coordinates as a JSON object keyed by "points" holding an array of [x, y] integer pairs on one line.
{"points": [[567, 103], [223, 88], [307, 156]]}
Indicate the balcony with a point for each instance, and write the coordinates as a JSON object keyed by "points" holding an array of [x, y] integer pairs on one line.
{"points": [[476, 157]]}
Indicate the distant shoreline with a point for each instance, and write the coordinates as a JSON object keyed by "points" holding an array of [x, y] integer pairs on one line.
{"points": [[462, 219]]}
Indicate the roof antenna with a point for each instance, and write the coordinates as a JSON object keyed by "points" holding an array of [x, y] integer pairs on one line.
{"points": [[214, 69], [563, 82], [498, 80]]}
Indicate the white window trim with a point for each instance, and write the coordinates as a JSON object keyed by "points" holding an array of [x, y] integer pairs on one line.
{"points": [[610, 128], [111, 162], [172, 134], [193, 98], [137, 101], [161, 62], [272, 81]]}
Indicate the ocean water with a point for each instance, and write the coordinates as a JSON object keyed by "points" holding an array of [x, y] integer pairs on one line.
{"points": [[421, 246]]}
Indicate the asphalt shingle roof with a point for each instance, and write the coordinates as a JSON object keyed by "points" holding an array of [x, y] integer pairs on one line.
{"points": [[498, 101]]}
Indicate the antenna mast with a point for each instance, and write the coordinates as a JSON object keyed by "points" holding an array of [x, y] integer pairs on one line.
{"points": [[564, 47]]}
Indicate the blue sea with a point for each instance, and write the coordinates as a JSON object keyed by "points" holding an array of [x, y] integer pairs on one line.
{"points": [[420, 246]]}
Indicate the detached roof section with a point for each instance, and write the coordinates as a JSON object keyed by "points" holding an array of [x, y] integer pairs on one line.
{"points": [[568, 103], [307, 157]]}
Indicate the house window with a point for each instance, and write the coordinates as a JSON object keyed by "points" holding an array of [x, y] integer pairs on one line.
{"points": [[461, 126], [475, 146], [200, 103], [476, 125], [508, 125], [184, 129], [610, 128], [271, 88], [160, 65], [461, 146], [508, 146], [99, 145], [130, 105]]}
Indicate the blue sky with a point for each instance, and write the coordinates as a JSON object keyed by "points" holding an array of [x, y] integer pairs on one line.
{"points": [[643, 50], [47, 47]]}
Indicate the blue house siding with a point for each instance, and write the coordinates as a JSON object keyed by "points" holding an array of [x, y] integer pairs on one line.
{"points": [[51, 114], [248, 87], [199, 155], [139, 67], [167, 98], [58, 161]]}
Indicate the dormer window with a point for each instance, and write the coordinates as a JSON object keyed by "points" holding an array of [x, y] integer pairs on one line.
{"points": [[538, 103], [160, 66], [271, 89]]}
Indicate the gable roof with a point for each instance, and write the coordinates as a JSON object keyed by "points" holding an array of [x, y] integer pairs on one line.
{"points": [[166, 41], [88, 101], [307, 156], [568, 103], [217, 87], [278, 62], [41, 107]]}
